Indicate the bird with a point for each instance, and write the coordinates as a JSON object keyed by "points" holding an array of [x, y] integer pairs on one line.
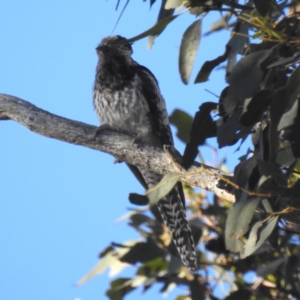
{"points": [[127, 99]]}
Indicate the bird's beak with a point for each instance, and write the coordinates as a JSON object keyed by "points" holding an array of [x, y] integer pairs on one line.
{"points": [[101, 48], [104, 50]]}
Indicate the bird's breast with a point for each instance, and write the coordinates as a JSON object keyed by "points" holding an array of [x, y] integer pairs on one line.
{"points": [[125, 110]]}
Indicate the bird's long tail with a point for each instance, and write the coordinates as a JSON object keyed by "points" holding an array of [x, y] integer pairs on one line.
{"points": [[173, 214], [171, 208]]}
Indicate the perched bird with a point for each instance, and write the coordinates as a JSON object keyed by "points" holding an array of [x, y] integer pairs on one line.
{"points": [[127, 99]]}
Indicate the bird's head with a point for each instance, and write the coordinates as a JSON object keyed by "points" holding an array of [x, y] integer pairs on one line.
{"points": [[114, 47]]}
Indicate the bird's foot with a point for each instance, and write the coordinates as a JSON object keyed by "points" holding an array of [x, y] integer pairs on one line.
{"points": [[137, 141], [101, 128]]}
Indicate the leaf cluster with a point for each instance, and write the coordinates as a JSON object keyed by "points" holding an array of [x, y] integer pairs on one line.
{"points": [[259, 232]]}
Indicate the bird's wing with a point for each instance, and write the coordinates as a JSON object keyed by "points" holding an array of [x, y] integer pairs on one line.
{"points": [[136, 172], [172, 206], [158, 112]]}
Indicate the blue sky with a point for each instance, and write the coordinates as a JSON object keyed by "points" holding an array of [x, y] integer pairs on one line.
{"points": [[59, 201]]}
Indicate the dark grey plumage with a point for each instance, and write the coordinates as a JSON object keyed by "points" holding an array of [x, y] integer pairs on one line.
{"points": [[128, 99]]}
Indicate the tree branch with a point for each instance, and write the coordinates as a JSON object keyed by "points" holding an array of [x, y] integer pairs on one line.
{"points": [[119, 145]]}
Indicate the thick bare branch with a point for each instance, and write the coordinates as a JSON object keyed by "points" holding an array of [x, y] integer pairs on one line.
{"points": [[119, 145]]}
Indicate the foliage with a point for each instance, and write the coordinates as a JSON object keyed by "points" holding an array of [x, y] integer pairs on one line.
{"points": [[258, 232]]}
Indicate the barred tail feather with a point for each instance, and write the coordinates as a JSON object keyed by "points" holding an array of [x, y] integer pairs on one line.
{"points": [[173, 214], [172, 210]]}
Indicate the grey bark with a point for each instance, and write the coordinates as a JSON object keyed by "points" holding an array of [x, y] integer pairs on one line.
{"points": [[121, 146]]}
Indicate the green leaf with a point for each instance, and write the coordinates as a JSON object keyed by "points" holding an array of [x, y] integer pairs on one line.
{"points": [[225, 277], [295, 174], [138, 219], [219, 24], [237, 223], [203, 127], [158, 27], [175, 264], [106, 251], [152, 2], [163, 187], [197, 290], [153, 267], [246, 76], [142, 252], [263, 7], [256, 239], [130, 214], [289, 117], [183, 122], [174, 3], [119, 288], [272, 267], [209, 65], [240, 294], [138, 199], [267, 206], [163, 13], [188, 50], [255, 107], [183, 298], [110, 260]]}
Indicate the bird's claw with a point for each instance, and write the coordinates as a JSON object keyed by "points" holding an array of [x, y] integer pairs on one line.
{"points": [[137, 140], [100, 129]]}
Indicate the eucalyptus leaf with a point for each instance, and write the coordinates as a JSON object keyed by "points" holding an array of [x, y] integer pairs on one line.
{"points": [[237, 223], [256, 239], [158, 27], [163, 187], [110, 260], [174, 3], [188, 50], [163, 13]]}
